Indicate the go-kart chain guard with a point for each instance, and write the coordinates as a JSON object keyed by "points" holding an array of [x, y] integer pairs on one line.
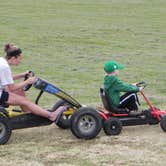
{"points": [[45, 86]]}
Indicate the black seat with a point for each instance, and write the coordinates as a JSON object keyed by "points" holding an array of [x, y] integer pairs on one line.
{"points": [[4, 105], [108, 104]]}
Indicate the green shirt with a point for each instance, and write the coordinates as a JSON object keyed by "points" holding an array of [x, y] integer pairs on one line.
{"points": [[114, 86]]}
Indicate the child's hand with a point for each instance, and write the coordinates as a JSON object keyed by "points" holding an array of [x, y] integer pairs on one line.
{"points": [[135, 84], [141, 88]]}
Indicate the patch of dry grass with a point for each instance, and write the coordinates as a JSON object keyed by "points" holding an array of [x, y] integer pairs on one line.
{"points": [[51, 146]]}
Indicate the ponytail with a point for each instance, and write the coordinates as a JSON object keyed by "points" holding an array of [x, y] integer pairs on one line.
{"points": [[12, 51]]}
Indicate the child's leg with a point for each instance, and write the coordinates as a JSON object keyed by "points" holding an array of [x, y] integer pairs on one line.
{"points": [[129, 101]]}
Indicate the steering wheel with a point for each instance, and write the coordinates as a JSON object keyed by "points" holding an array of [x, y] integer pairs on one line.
{"points": [[30, 74], [141, 84]]}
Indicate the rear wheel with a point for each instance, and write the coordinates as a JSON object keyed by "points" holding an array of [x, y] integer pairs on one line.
{"points": [[163, 123], [5, 130], [86, 123], [112, 126], [64, 121]]}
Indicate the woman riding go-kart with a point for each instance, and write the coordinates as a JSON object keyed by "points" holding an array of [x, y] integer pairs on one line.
{"points": [[11, 118], [31, 113]]}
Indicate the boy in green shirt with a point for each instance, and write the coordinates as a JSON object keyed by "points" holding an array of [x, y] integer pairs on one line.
{"points": [[114, 87]]}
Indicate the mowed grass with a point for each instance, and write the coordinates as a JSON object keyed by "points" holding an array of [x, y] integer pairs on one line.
{"points": [[67, 42]]}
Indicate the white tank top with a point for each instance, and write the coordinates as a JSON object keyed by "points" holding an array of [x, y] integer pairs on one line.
{"points": [[6, 77]]}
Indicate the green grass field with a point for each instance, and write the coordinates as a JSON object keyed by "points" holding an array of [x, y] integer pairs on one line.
{"points": [[67, 43]]}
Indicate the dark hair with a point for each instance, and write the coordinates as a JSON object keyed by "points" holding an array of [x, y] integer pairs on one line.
{"points": [[12, 51]]}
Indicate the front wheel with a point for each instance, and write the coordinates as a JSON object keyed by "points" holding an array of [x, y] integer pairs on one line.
{"points": [[163, 123], [5, 130], [112, 126], [64, 121], [86, 123]]}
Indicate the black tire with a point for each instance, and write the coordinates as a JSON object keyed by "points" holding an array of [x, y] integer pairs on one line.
{"points": [[64, 121], [163, 123], [112, 126], [5, 130], [86, 123]]}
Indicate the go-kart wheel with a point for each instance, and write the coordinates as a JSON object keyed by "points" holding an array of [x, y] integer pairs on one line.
{"points": [[86, 123], [112, 126], [5, 130], [163, 123], [64, 121]]}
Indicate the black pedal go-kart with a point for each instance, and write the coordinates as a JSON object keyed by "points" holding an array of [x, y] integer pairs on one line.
{"points": [[12, 119], [86, 123]]}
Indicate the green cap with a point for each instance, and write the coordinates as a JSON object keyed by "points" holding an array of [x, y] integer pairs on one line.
{"points": [[111, 66]]}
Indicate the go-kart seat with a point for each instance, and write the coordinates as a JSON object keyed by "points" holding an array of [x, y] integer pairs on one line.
{"points": [[108, 104], [4, 105]]}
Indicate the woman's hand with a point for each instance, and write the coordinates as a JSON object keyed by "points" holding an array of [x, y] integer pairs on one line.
{"points": [[31, 80], [21, 75]]}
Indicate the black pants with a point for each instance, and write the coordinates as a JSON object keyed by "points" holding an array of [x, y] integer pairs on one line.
{"points": [[130, 101]]}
